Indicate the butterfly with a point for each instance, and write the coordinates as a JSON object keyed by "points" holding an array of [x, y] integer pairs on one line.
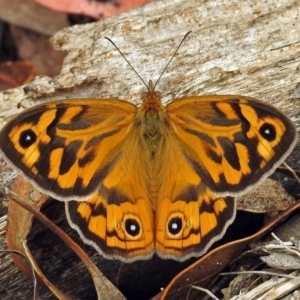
{"points": [[139, 180]]}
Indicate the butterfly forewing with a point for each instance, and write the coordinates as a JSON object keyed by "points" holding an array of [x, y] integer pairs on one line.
{"points": [[67, 148], [232, 142]]}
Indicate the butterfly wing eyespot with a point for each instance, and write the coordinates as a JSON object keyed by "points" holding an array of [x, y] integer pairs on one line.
{"points": [[268, 132], [27, 138], [175, 225]]}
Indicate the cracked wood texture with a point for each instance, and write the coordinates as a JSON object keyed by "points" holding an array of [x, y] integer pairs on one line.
{"points": [[235, 47]]}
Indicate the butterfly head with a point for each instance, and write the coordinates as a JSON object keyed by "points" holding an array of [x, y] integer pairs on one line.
{"points": [[151, 100]]}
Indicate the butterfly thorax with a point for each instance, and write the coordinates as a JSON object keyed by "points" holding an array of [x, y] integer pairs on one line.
{"points": [[152, 116]]}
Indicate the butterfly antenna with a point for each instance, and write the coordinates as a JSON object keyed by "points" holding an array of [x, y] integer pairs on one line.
{"points": [[152, 89], [171, 58], [128, 62]]}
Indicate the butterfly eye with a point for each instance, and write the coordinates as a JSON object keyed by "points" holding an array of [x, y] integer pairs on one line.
{"points": [[175, 225], [133, 227], [27, 138], [268, 132]]}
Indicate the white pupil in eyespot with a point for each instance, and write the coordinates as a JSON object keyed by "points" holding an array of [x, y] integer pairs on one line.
{"points": [[132, 227], [174, 226]]}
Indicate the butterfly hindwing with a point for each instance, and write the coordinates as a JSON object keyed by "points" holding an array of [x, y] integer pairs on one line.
{"points": [[118, 220], [189, 216]]}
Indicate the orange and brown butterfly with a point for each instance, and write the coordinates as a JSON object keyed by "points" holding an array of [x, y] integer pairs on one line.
{"points": [[149, 179]]}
